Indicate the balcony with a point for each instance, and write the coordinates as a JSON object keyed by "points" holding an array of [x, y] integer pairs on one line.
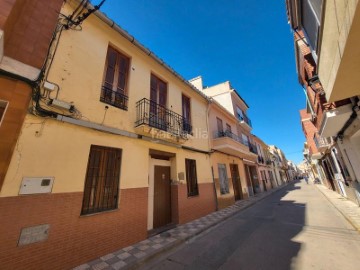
{"points": [[114, 98], [261, 160], [334, 117], [230, 143], [253, 148], [160, 122], [322, 144], [245, 120]]}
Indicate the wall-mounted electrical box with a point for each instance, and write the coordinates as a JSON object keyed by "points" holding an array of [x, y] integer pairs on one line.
{"points": [[61, 104], [36, 185]]}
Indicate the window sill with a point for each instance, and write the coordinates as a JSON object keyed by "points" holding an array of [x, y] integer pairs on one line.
{"points": [[193, 196], [122, 107], [99, 213]]}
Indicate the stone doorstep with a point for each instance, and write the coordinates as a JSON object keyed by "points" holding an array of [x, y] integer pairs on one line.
{"points": [[162, 247]]}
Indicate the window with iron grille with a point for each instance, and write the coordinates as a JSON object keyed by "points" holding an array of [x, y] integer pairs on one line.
{"points": [[101, 190], [114, 90], [191, 177]]}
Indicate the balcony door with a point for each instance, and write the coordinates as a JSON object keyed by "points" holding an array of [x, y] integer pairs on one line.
{"points": [[186, 114], [158, 97]]}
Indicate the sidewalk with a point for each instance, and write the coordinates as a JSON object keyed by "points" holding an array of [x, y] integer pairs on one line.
{"points": [[137, 254], [347, 208]]}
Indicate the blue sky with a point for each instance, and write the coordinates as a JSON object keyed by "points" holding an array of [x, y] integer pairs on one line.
{"points": [[246, 42]]}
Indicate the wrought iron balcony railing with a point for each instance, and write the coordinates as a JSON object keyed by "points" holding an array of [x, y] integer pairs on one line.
{"points": [[229, 134], [114, 98], [154, 115], [253, 148], [245, 119], [322, 143], [261, 159]]}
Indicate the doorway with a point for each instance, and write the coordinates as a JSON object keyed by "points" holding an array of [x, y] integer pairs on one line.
{"points": [[329, 175], [162, 196], [159, 199], [236, 181]]}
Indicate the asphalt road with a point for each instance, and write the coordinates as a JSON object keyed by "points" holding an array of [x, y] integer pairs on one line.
{"points": [[295, 228]]}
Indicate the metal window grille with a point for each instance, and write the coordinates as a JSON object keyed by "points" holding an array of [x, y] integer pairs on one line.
{"points": [[102, 180]]}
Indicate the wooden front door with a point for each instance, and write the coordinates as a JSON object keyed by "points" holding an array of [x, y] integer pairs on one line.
{"points": [[236, 181], [162, 196]]}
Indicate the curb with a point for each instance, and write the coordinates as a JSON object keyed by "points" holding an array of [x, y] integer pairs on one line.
{"points": [[349, 219], [177, 243]]}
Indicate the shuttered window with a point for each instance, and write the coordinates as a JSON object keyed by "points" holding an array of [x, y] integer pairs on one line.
{"points": [[101, 190], [114, 89], [228, 128], [186, 114], [220, 126], [191, 177]]}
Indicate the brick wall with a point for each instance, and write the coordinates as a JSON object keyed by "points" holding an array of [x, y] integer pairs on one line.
{"points": [[5, 9], [309, 130], [28, 27], [190, 208], [72, 240]]}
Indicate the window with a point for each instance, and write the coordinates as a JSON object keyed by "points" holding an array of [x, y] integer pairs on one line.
{"points": [[228, 128], [240, 114], [3, 106], [158, 91], [114, 90], [191, 177], [220, 126], [311, 18], [223, 179], [245, 139], [158, 97], [102, 180], [186, 114]]}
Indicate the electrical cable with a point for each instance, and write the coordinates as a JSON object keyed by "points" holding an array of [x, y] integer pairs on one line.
{"points": [[76, 10]]}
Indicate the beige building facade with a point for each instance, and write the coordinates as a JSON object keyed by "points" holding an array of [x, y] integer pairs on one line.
{"points": [[233, 158], [117, 150]]}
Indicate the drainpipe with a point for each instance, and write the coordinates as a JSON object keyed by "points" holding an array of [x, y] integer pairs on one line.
{"points": [[333, 156], [210, 152]]}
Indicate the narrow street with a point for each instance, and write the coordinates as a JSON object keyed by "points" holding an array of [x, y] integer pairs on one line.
{"points": [[295, 228]]}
